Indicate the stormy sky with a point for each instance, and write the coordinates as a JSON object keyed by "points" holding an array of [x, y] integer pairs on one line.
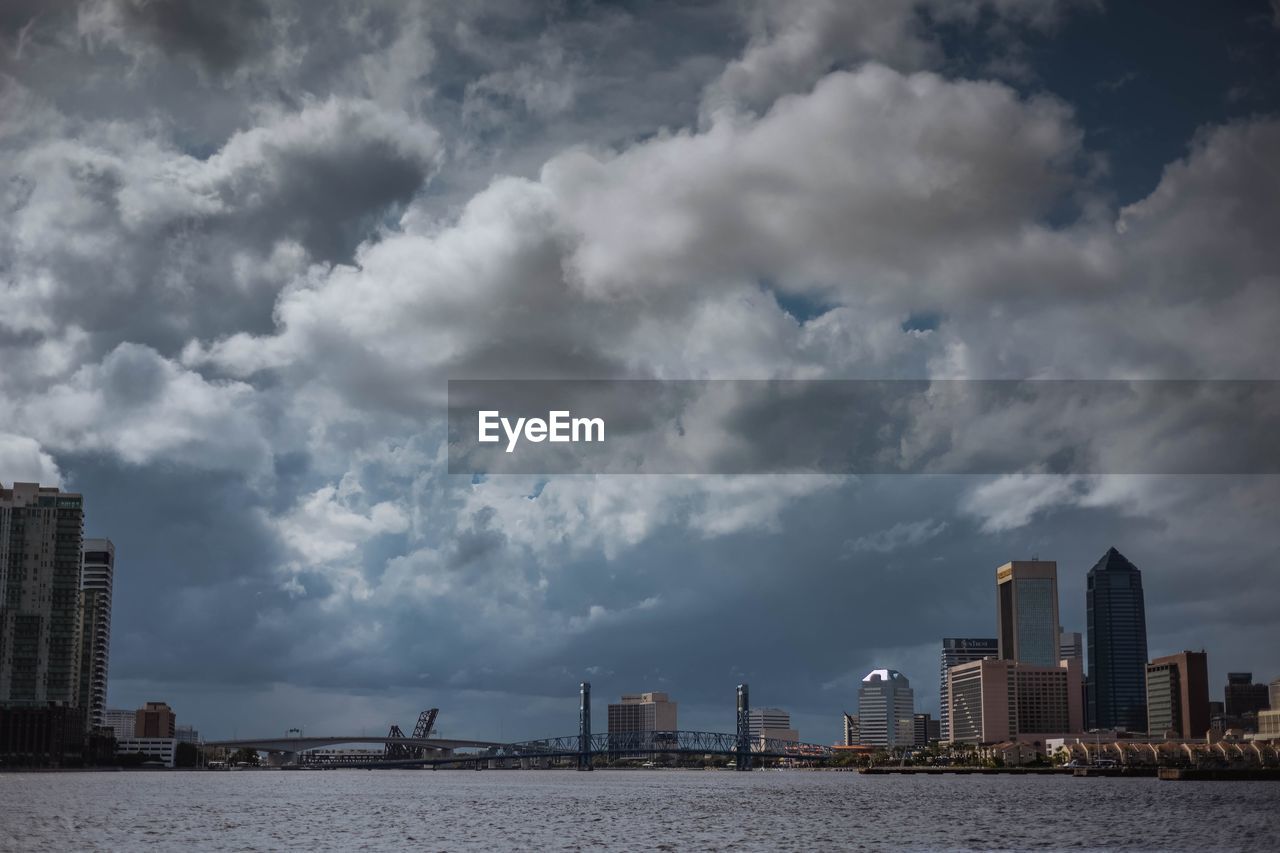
{"points": [[244, 245]]}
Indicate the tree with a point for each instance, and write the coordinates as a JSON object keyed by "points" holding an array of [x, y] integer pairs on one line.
{"points": [[244, 755], [186, 755]]}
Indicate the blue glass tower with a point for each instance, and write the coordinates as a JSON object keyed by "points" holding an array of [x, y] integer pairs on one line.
{"points": [[1117, 688]]}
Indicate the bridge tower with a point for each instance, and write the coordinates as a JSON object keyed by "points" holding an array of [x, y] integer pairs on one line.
{"points": [[584, 726], [743, 761]]}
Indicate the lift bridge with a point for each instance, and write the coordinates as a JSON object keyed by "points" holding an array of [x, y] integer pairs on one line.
{"points": [[399, 751], [423, 750]]}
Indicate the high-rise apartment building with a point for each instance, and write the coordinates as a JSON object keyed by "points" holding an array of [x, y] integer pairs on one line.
{"points": [[155, 720], [1178, 695], [886, 708], [41, 533], [95, 627], [955, 651], [1117, 645], [1002, 700], [1027, 611]]}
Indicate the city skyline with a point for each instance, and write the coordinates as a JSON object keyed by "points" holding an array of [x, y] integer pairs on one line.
{"points": [[1022, 632], [244, 249]]}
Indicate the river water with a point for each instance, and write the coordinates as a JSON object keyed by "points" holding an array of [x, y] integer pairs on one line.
{"points": [[626, 810]]}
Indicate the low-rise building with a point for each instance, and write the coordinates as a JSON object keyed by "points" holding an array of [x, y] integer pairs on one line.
{"points": [[160, 749]]}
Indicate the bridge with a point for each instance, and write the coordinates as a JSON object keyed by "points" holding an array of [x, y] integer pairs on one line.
{"points": [[582, 747]]}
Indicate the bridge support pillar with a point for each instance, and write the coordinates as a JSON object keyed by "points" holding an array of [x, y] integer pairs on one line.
{"points": [[743, 758], [584, 726]]}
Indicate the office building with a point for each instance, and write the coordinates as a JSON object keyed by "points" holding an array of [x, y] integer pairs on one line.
{"points": [[1071, 646], [770, 724], [41, 533], [1027, 611], [188, 734], [999, 700], [852, 730], [158, 749], [886, 708], [48, 736], [643, 712], [1117, 687], [154, 720], [958, 650], [1178, 695], [95, 627], [122, 723], [1274, 694], [925, 730], [1243, 696], [1269, 724]]}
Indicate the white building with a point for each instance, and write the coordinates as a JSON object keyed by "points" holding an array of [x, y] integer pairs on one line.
{"points": [[123, 723], [158, 748], [886, 709]]}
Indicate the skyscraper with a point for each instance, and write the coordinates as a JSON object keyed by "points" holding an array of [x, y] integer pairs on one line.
{"points": [[1027, 611], [95, 627], [886, 709], [1117, 687], [1178, 695], [41, 531], [1274, 694], [955, 651]]}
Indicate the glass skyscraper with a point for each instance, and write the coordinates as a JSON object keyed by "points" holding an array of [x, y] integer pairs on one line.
{"points": [[1117, 689], [1027, 611]]}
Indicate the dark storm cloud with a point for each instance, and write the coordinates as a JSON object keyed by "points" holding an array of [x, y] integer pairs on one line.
{"points": [[218, 35]]}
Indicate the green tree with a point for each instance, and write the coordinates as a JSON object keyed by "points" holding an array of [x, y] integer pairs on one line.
{"points": [[244, 755], [186, 755]]}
